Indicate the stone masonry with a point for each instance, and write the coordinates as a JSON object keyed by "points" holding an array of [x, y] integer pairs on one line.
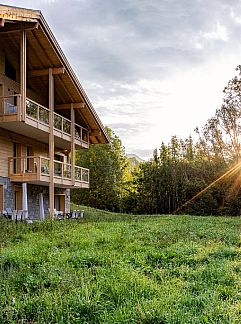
{"points": [[33, 192]]}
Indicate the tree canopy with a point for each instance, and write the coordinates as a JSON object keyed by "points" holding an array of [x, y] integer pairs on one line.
{"points": [[107, 164], [205, 172]]}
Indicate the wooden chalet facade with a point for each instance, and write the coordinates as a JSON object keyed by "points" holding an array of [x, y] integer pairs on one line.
{"points": [[45, 116]]}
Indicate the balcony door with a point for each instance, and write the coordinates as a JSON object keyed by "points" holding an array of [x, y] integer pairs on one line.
{"points": [[17, 154], [30, 161], [56, 202], [18, 197], [59, 202]]}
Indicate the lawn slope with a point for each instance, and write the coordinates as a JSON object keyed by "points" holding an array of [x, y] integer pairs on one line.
{"points": [[111, 268]]}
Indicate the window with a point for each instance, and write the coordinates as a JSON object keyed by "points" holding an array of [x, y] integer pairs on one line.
{"points": [[30, 161], [17, 152], [10, 72], [15, 99]]}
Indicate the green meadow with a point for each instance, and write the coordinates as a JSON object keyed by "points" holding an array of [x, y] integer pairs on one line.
{"points": [[115, 268]]}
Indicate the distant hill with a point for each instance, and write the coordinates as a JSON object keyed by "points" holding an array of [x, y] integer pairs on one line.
{"points": [[134, 160]]}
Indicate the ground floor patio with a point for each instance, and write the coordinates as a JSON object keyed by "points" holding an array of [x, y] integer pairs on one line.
{"points": [[32, 198]]}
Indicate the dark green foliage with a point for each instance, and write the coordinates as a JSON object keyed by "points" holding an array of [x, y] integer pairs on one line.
{"points": [[107, 165], [175, 176]]}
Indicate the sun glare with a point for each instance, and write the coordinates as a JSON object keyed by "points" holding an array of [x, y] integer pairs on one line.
{"points": [[227, 175]]}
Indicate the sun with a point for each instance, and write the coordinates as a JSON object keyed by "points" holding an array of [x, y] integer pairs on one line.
{"points": [[225, 176]]}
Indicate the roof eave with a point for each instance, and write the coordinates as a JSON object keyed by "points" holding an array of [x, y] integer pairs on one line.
{"points": [[71, 73]]}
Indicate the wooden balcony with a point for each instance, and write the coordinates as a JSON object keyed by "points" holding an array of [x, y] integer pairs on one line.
{"points": [[36, 122], [10, 108], [35, 170]]}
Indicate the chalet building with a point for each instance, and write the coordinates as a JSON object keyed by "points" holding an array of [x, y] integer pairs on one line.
{"points": [[45, 116]]}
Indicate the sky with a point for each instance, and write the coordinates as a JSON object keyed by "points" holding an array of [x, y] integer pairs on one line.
{"points": [[151, 68]]}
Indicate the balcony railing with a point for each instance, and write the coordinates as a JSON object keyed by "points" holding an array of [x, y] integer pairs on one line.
{"points": [[62, 125], [38, 116], [82, 174], [10, 105], [62, 170], [37, 112], [36, 168], [81, 134]]}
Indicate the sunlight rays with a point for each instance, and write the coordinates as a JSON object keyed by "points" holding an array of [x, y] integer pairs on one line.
{"points": [[226, 175]]}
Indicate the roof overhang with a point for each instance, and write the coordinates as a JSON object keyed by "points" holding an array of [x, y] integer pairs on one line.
{"points": [[50, 55]]}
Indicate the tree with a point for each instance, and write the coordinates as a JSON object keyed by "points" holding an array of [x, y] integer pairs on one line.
{"points": [[222, 133], [107, 164]]}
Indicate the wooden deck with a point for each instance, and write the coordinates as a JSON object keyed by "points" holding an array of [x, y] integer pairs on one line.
{"points": [[36, 170], [37, 117]]}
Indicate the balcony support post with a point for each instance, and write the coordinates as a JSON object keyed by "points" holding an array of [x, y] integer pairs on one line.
{"points": [[23, 72], [72, 144], [51, 143], [25, 198]]}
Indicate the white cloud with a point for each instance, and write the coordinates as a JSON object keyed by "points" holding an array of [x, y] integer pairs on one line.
{"points": [[235, 16], [219, 32], [174, 106], [198, 46], [153, 70]]}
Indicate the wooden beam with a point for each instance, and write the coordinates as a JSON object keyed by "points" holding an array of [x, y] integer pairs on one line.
{"points": [[75, 105], [59, 93], [80, 112], [23, 68], [14, 28], [38, 49], [72, 144], [20, 14], [2, 21], [95, 132], [51, 143], [65, 88], [37, 73]]}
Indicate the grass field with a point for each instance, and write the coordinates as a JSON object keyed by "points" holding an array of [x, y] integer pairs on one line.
{"points": [[112, 268]]}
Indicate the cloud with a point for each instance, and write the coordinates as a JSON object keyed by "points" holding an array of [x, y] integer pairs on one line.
{"points": [[152, 68], [125, 41], [219, 33]]}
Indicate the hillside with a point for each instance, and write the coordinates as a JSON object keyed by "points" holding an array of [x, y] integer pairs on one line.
{"points": [[112, 268]]}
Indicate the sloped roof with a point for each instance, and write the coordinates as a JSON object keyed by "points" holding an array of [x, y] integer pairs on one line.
{"points": [[43, 52]]}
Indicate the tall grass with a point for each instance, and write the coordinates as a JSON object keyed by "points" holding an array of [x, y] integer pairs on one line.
{"points": [[112, 268]]}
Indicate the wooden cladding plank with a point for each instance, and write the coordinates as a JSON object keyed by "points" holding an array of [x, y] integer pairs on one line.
{"points": [[14, 28], [75, 105], [18, 14], [38, 58], [37, 73], [95, 132], [46, 47], [36, 43], [6, 149]]}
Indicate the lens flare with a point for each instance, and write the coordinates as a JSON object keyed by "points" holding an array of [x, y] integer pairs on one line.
{"points": [[227, 174]]}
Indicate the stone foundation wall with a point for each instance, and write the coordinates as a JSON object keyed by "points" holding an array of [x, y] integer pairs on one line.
{"points": [[33, 192], [67, 201], [33, 200], [8, 193]]}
